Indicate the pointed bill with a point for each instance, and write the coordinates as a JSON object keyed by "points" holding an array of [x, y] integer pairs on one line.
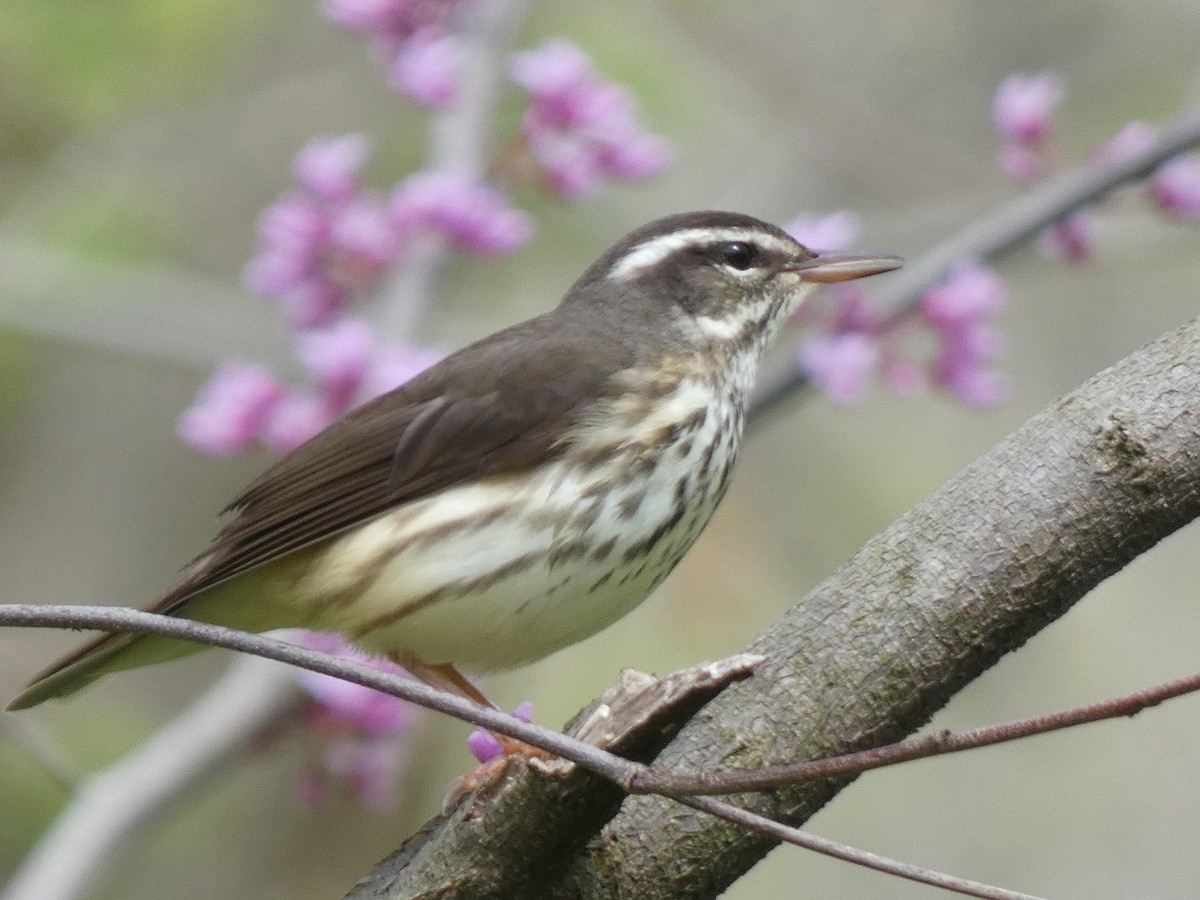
{"points": [[831, 267]]}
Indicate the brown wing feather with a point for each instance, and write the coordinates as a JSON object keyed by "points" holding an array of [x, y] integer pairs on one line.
{"points": [[448, 425]]}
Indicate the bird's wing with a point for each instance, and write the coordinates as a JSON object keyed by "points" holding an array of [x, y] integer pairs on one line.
{"points": [[446, 426], [492, 408]]}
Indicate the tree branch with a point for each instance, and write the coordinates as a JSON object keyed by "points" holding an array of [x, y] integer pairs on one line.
{"points": [[1002, 550]]}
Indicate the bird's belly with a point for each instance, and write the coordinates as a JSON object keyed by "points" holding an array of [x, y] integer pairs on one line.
{"points": [[507, 570]]}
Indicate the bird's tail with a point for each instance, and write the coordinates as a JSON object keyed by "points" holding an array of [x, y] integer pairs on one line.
{"points": [[103, 656], [246, 602]]}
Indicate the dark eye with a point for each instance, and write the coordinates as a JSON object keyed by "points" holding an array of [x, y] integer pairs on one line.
{"points": [[737, 255]]}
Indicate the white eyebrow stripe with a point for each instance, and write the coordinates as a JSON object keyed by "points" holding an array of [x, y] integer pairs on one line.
{"points": [[653, 251]]}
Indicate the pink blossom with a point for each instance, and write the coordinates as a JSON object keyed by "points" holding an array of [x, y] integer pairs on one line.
{"points": [[635, 155], [553, 73], [1070, 239], [320, 244], [367, 15], [483, 744], [963, 361], [242, 404], [1021, 163], [833, 232], [313, 302], [298, 416], [581, 129], [362, 708], [415, 40], [1024, 104], [856, 312], [362, 240], [328, 167], [570, 164], [959, 312], [396, 365], [392, 22], [1175, 187], [427, 67], [969, 293], [295, 222], [973, 382], [471, 214], [290, 232], [230, 409], [842, 364], [903, 376], [360, 730], [854, 342], [339, 357]]}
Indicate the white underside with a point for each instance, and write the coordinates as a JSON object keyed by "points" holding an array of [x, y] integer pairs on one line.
{"points": [[538, 608]]}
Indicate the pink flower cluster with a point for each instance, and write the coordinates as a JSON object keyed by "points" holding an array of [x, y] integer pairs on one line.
{"points": [[853, 343], [243, 404], [359, 732], [323, 243], [579, 128], [415, 39], [325, 240], [473, 216], [959, 311], [1023, 110], [320, 246]]}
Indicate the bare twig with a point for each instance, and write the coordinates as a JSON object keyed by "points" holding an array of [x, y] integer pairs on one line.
{"points": [[110, 618], [837, 850], [936, 744]]}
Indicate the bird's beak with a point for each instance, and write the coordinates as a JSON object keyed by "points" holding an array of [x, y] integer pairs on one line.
{"points": [[830, 267]]}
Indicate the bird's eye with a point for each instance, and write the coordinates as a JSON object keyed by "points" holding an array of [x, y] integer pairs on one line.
{"points": [[738, 255]]}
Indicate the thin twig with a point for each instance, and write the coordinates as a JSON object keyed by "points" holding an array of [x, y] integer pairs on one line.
{"points": [[936, 744], [1000, 231], [110, 618], [849, 854], [41, 872]]}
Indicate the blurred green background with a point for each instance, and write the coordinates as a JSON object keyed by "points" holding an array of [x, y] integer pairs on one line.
{"points": [[140, 138]]}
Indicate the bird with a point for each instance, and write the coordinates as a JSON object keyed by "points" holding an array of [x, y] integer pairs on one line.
{"points": [[523, 493]]}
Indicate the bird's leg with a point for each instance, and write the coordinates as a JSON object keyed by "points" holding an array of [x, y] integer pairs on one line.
{"points": [[447, 678]]}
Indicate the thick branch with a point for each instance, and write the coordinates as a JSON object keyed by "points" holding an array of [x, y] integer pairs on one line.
{"points": [[1002, 550]]}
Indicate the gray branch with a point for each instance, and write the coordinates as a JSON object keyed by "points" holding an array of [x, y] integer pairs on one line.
{"points": [[998, 553]]}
